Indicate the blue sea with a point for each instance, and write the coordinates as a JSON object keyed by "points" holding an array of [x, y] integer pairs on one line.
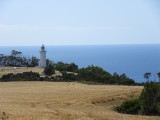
{"points": [[134, 60]]}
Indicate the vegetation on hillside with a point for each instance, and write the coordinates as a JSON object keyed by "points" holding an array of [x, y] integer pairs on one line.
{"points": [[150, 99], [25, 76], [97, 74], [91, 73], [71, 72], [130, 107], [16, 59], [60, 66], [49, 70], [147, 104]]}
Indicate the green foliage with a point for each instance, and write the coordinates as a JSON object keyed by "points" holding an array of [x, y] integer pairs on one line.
{"points": [[94, 73], [49, 70], [150, 99], [15, 59], [14, 53], [72, 67], [69, 76], [158, 74], [48, 62], [147, 104], [122, 79], [97, 74], [34, 61], [147, 76], [25, 76], [60, 66], [70, 72], [130, 107]]}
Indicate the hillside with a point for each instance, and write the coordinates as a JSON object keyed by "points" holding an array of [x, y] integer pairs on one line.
{"points": [[15, 70]]}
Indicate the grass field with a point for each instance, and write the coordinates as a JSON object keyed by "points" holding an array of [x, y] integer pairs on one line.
{"points": [[64, 101], [15, 70]]}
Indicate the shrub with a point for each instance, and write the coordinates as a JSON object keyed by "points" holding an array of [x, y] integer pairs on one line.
{"points": [[94, 73], [25, 76], [150, 99], [130, 107], [97, 74], [147, 104], [69, 76], [49, 70], [66, 67], [7, 77]]}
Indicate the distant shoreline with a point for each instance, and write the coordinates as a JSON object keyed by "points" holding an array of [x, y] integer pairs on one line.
{"points": [[134, 60], [81, 45]]}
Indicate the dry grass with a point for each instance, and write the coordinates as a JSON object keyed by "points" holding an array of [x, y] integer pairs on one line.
{"points": [[64, 101], [6, 70]]}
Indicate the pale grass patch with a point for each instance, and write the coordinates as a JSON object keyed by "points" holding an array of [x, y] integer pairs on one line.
{"points": [[15, 70]]}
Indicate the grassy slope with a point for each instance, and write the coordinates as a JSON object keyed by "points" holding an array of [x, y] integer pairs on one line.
{"points": [[6, 70]]}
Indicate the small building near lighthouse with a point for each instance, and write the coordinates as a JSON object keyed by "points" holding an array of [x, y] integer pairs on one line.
{"points": [[42, 62]]}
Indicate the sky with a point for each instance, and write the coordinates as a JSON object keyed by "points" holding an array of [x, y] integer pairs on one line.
{"points": [[79, 22]]}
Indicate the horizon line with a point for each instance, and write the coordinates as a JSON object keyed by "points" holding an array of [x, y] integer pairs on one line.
{"points": [[79, 45]]}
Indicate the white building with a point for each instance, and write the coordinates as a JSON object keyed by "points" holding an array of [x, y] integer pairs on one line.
{"points": [[42, 62]]}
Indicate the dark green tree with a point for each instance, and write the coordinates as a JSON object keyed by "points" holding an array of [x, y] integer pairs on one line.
{"points": [[49, 70], [60, 66], [48, 61], [158, 74], [150, 99], [14, 53], [147, 76], [71, 67], [130, 107], [69, 76], [95, 74], [34, 61], [66, 67]]}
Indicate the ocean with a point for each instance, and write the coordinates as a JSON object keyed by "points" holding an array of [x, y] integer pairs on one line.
{"points": [[133, 60]]}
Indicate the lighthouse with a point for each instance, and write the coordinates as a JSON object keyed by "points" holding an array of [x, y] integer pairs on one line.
{"points": [[42, 62]]}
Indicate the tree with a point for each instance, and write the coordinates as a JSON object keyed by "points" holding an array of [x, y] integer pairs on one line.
{"points": [[69, 76], [158, 76], [150, 99], [71, 67], [48, 61], [14, 53], [95, 74], [34, 61], [130, 107], [147, 76], [49, 70], [147, 104], [60, 66]]}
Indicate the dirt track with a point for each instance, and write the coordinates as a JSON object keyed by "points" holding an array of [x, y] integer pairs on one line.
{"points": [[64, 101]]}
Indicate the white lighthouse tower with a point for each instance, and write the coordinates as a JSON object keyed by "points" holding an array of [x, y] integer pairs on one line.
{"points": [[42, 62]]}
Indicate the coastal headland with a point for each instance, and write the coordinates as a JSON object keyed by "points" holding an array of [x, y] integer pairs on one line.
{"points": [[63, 100]]}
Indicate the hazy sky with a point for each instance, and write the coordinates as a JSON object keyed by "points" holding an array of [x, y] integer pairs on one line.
{"points": [[79, 22]]}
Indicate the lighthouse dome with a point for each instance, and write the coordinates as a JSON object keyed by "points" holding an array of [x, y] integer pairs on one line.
{"points": [[42, 47]]}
